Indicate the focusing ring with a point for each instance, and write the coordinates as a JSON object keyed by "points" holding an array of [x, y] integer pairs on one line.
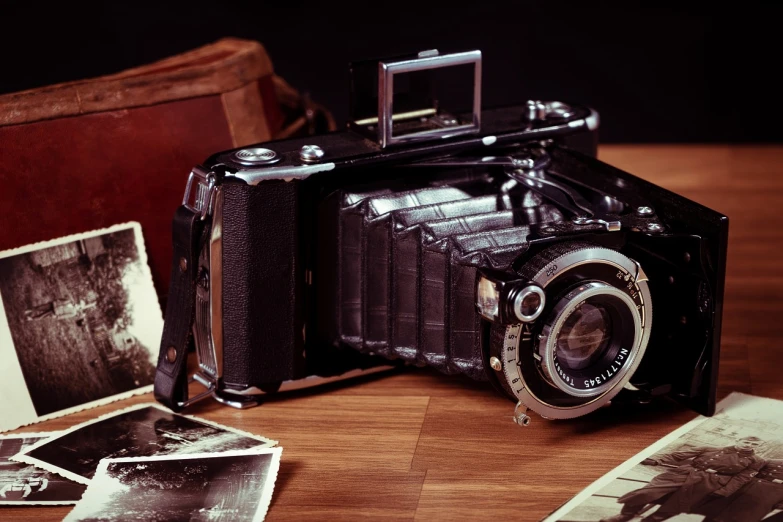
{"points": [[518, 350]]}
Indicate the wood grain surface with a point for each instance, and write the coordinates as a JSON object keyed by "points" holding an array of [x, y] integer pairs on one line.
{"points": [[415, 445]]}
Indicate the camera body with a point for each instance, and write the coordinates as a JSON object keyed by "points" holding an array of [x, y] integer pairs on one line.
{"points": [[488, 243]]}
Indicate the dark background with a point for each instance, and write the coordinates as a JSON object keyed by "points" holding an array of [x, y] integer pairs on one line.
{"points": [[683, 74]]}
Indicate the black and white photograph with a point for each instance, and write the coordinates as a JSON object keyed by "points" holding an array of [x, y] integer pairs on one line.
{"points": [[80, 324], [23, 484], [143, 430], [232, 486], [726, 468]]}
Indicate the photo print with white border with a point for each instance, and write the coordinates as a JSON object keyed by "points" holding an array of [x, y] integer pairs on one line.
{"points": [[144, 430], [80, 324], [728, 467], [26, 485], [235, 485]]}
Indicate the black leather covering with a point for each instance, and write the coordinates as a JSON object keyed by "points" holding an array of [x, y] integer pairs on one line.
{"points": [[262, 306]]}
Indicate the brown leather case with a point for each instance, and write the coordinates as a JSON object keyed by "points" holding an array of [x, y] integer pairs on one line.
{"points": [[89, 154]]}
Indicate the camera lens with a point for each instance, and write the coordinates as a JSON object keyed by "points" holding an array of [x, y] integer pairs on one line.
{"points": [[593, 332], [590, 336], [584, 337]]}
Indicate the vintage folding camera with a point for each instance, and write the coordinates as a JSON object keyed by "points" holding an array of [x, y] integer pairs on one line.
{"points": [[490, 244]]}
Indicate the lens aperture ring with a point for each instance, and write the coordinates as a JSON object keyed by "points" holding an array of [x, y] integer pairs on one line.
{"points": [[528, 355]]}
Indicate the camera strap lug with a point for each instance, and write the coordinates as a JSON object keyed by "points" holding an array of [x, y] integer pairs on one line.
{"points": [[200, 192], [189, 232]]}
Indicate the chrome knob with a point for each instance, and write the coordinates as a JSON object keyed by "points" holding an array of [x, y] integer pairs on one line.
{"points": [[520, 415], [311, 154], [256, 156]]}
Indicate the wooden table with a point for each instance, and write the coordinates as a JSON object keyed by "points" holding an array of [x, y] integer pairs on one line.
{"points": [[416, 445]]}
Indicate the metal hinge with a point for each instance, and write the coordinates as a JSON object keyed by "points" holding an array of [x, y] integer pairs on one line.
{"points": [[202, 199]]}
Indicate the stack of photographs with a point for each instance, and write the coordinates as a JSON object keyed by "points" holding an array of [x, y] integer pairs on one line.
{"points": [[142, 463], [25, 484], [726, 468], [80, 325]]}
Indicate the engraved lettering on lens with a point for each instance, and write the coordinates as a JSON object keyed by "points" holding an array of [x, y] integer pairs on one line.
{"points": [[567, 378], [609, 372]]}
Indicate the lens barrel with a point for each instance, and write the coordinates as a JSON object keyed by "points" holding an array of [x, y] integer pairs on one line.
{"points": [[588, 338]]}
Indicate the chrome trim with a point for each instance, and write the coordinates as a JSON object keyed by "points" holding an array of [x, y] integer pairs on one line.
{"points": [[238, 404], [593, 121], [559, 109], [563, 195], [399, 116], [311, 154], [610, 226], [208, 320], [254, 156], [424, 61], [201, 203], [204, 381], [639, 276], [216, 285], [520, 415], [212, 391], [202, 324], [254, 176], [286, 173], [538, 110], [202, 336], [523, 161]]}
